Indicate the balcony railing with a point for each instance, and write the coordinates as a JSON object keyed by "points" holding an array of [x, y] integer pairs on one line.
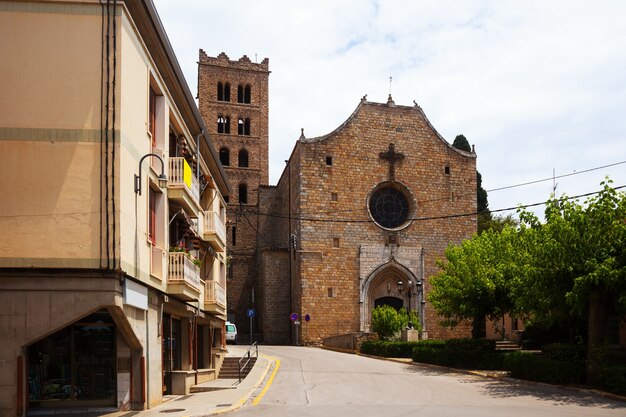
{"points": [[182, 270], [180, 173], [214, 293], [214, 225]]}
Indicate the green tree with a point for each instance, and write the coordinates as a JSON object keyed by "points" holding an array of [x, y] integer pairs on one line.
{"points": [[482, 203], [387, 322], [473, 282]]}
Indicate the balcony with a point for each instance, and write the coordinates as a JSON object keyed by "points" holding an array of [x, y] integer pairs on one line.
{"points": [[183, 278], [214, 297], [214, 231], [183, 186]]}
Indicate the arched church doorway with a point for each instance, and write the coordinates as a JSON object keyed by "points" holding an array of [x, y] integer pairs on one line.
{"points": [[394, 302]]}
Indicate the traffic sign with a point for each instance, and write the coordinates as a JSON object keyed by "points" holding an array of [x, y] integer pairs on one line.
{"points": [[293, 316], [307, 317], [251, 312]]}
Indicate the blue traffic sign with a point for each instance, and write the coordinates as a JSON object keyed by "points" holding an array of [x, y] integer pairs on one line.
{"points": [[307, 317], [293, 316], [251, 312]]}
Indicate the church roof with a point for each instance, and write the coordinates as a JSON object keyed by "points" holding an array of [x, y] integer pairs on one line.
{"points": [[390, 104]]}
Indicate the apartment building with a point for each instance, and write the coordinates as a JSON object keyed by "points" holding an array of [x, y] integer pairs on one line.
{"points": [[112, 212]]}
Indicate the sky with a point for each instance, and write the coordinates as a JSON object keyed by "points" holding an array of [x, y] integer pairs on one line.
{"points": [[539, 87]]}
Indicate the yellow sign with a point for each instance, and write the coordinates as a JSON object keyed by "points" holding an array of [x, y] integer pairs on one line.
{"points": [[187, 174]]}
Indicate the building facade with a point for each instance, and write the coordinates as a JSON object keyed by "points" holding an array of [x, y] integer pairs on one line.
{"points": [[112, 215], [358, 219], [233, 100]]}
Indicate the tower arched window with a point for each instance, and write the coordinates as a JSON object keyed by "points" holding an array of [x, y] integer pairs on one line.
{"points": [[240, 126], [223, 124], [243, 158], [240, 93], [246, 94], [246, 127], [225, 156], [220, 91], [227, 92], [243, 194]]}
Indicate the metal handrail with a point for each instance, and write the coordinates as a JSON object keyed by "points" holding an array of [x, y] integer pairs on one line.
{"points": [[249, 355]]}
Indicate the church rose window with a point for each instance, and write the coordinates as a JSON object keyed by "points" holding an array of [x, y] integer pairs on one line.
{"points": [[389, 206]]}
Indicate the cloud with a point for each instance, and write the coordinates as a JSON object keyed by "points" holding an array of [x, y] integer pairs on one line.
{"points": [[535, 85]]}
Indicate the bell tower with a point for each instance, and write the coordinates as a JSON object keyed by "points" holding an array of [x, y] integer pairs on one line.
{"points": [[233, 101]]}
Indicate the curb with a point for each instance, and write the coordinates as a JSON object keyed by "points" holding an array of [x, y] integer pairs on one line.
{"points": [[248, 394]]}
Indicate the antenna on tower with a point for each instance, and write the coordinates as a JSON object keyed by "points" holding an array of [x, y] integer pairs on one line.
{"points": [[255, 59], [390, 79]]}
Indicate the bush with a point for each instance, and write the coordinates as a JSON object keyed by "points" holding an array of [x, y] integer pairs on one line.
{"points": [[565, 352], [388, 349], [387, 322], [534, 367], [459, 353], [613, 379]]}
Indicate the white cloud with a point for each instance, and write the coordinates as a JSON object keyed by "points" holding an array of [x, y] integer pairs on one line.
{"points": [[535, 85]]}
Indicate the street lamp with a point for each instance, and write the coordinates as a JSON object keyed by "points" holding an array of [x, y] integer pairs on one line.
{"points": [[162, 177], [409, 293]]}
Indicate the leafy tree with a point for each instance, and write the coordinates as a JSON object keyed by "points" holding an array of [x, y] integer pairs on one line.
{"points": [[473, 282], [482, 203], [386, 322]]}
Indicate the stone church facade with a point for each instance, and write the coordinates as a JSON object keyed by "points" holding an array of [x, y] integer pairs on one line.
{"points": [[356, 214]]}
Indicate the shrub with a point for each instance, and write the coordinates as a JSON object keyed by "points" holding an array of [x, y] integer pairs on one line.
{"points": [[565, 352], [534, 367], [387, 322], [459, 353], [388, 349], [613, 379]]}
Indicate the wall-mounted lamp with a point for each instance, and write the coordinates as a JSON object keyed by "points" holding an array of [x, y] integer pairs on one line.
{"points": [[162, 177]]}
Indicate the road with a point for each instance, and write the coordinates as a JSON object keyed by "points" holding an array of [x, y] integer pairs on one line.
{"points": [[316, 382]]}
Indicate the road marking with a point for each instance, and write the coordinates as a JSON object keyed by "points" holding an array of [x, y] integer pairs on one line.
{"points": [[258, 399]]}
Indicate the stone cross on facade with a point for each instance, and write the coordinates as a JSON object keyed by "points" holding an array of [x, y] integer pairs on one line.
{"points": [[392, 156]]}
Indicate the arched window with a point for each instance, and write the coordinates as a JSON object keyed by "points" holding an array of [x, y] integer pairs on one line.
{"points": [[223, 124], [240, 126], [227, 92], [243, 194], [240, 93], [246, 94], [225, 156], [243, 158], [220, 91], [246, 127]]}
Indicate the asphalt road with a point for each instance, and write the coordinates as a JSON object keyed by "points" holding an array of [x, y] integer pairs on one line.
{"points": [[316, 382]]}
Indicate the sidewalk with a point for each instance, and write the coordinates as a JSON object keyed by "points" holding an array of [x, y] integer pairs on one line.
{"points": [[228, 394]]}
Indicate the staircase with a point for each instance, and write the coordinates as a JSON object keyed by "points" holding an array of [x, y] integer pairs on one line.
{"points": [[230, 368], [506, 345]]}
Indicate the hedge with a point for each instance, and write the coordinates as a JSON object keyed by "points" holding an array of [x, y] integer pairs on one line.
{"points": [[388, 349], [460, 353], [541, 368], [613, 379]]}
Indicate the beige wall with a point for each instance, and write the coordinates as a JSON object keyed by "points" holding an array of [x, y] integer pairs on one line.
{"points": [[48, 138]]}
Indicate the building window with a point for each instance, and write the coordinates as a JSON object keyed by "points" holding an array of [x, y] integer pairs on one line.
{"points": [[243, 94], [329, 160], [240, 126], [223, 124], [334, 197], [447, 169], [243, 158], [390, 205], [152, 216], [225, 156], [331, 292], [246, 127], [234, 236], [152, 116], [223, 91], [335, 242], [243, 194]]}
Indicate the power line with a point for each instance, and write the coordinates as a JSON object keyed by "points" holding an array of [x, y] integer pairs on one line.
{"points": [[443, 217]]}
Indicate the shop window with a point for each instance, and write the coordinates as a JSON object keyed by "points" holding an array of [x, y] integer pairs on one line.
{"points": [[243, 158]]}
